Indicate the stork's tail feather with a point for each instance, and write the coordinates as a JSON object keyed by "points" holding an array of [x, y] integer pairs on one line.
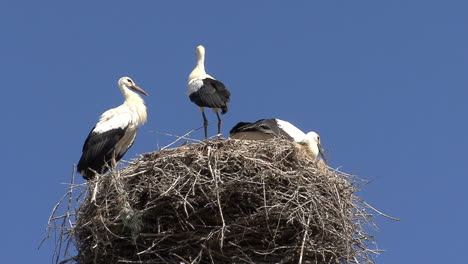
{"points": [[87, 174], [224, 110]]}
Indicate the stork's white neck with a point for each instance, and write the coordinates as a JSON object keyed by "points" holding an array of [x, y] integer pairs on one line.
{"points": [[312, 146], [131, 96], [136, 104], [311, 141], [201, 62], [199, 70]]}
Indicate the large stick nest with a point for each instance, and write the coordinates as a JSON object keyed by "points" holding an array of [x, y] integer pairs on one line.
{"points": [[223, 201]]}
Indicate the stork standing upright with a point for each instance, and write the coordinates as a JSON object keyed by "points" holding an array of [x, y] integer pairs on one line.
{"points": [[205, 91], [264, 129], [115, 132]]}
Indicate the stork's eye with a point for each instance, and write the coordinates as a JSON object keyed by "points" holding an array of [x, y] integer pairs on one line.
{"points": [[130, 81]]}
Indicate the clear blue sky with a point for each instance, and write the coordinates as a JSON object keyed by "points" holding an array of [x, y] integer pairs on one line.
{"points": [[383, 82]]}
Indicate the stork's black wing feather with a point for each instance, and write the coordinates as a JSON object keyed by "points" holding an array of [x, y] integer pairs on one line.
{"points": [[267, 126], [98, 150], [212, 94]]}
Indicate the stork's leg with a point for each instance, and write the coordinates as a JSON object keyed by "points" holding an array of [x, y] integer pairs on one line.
{"points": [[205, 123], [220, 122], [113, 161]]}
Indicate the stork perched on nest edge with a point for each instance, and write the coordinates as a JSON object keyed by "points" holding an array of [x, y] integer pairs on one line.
{"points": [[115, 132], [205, 91]]}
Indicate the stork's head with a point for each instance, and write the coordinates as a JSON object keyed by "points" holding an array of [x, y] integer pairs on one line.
{"points": [[312, 141], [200, 52], [127, 84], [199, 70]]}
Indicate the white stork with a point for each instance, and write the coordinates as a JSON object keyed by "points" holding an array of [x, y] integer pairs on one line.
{"points": [[115, 132], [264, 129], [206, 91]]}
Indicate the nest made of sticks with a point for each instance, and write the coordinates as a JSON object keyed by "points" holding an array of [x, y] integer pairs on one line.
{"points": [[223, 201]]}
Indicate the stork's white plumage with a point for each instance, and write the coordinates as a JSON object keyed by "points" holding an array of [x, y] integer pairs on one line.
{"points": [[264, 129], [205, 91], [115, 132]]}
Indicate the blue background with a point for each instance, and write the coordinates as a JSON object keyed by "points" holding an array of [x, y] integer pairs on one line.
{"points": [[383, 82]]}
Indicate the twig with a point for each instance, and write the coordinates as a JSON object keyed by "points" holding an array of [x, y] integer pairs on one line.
{"points": [[380, 213], [217, 195], [304, 239], [67, 260], [182, 137], [65, 226], [96, 187], [178, 137]]}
